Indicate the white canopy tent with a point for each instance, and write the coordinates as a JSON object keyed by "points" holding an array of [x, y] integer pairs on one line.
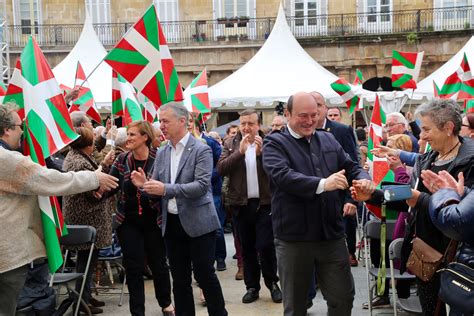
{"points": [[425, 87], [279, 69], [90, 52]]}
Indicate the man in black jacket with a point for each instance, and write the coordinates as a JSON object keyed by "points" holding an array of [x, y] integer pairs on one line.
{"points": [[307, 172]]}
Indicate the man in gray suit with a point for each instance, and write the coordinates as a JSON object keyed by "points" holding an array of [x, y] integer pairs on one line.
{"points": [[182, 176]]}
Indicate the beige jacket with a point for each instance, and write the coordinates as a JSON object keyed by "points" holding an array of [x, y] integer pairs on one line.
{"points": [[21, 181]]}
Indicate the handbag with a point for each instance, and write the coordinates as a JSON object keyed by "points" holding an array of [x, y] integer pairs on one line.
{"points": [[424, 260], [457, 287]]}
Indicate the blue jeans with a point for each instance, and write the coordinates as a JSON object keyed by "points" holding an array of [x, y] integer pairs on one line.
{"points": [[221, 251]]}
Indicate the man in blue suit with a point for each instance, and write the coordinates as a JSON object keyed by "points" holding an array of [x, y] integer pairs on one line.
{"points": [[182, 177]]}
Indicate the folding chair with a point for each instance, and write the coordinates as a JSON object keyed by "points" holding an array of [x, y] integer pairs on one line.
{"points": [[77, 235], [412, 303], [115, 260], [372, 231]]}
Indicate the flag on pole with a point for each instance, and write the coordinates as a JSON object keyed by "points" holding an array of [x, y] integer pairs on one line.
{"points": [[48, 128], [344, 89], [451, 87], [359, 80], [124, 100], [143, 58], [466, 90], [406, 69], [196, 97], [84, 101], [379, 168]]}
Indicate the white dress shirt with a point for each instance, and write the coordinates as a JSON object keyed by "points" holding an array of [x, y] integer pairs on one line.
{"points": [[320, 188], [175, 157], [252, 176]]}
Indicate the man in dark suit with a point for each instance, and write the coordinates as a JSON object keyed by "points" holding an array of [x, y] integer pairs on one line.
{"points": [[344, 134], [309, 174], [182, 176]]}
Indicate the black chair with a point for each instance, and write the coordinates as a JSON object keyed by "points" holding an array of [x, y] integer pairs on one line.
{"points": [[372, 230], [412, 303], [77, 235]]}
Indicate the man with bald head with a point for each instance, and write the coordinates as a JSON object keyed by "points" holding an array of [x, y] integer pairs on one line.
{"points": [[309, 174]]}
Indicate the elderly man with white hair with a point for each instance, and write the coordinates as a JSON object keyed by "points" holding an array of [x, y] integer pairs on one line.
{"points": [[397, 124]]}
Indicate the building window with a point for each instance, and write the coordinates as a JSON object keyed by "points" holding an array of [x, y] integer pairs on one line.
{"points": [[26, 12], [378, 11], [305, 11], [233, 8], [99, 10], [167, 10], [452, 14]]}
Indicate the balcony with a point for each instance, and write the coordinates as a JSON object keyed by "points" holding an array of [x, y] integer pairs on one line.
{"points": [[242, 30]]}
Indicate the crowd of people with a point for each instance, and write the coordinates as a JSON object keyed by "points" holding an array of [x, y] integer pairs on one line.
{"points": [[292, 195]]}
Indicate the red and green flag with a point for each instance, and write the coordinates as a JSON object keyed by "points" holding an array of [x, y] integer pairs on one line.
{"points": [[48, 128], [344, 89], [143, 58], [359, 80], [466, 90], [149, 109], [124, 100], [84, 101], [406, 69], [451, 87], [468, 106], [196, 97], [379, 168]]}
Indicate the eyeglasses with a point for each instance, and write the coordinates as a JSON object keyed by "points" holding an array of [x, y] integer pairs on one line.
{"points": [[19, 125], [391, 125], [465, 125]]}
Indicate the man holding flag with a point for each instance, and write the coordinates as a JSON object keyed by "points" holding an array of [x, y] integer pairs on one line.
{"points": [[22, 180]]}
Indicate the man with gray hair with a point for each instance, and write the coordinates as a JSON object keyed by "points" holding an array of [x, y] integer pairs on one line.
{"points": [[278, 122], [21, 181], [182, 177], [397, 124]]}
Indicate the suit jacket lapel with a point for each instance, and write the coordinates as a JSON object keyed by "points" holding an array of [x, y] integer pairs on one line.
{"points": [[186, 153]]}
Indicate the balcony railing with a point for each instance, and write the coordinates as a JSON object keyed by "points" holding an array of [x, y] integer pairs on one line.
{"points": [[239, 30]]}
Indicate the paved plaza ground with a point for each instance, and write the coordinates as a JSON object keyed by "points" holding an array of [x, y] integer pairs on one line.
{"points": [[233, 292]]}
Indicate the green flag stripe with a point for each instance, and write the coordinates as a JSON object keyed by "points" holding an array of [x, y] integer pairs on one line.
{"points": [[84, 98], [199, 105], [161, 87], [61, 121], [468, 89], [28, 63], [133, 110], [17, 98], [174, 82], [340, 87], [353, 105], [151, 27], [53, 250], [130, 57], [405, 62], [38, 128], [402, 80], [117, 106]]}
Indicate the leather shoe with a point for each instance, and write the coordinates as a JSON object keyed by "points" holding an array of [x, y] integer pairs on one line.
{"points": [[96, 303], [220, 265], [240, 274], [250, 296], [276, 293]]}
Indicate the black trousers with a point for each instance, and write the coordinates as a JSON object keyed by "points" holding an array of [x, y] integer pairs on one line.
{"points": [[81, 264], [137, 241], [350, 225], [196, 254], [256, 237]]}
